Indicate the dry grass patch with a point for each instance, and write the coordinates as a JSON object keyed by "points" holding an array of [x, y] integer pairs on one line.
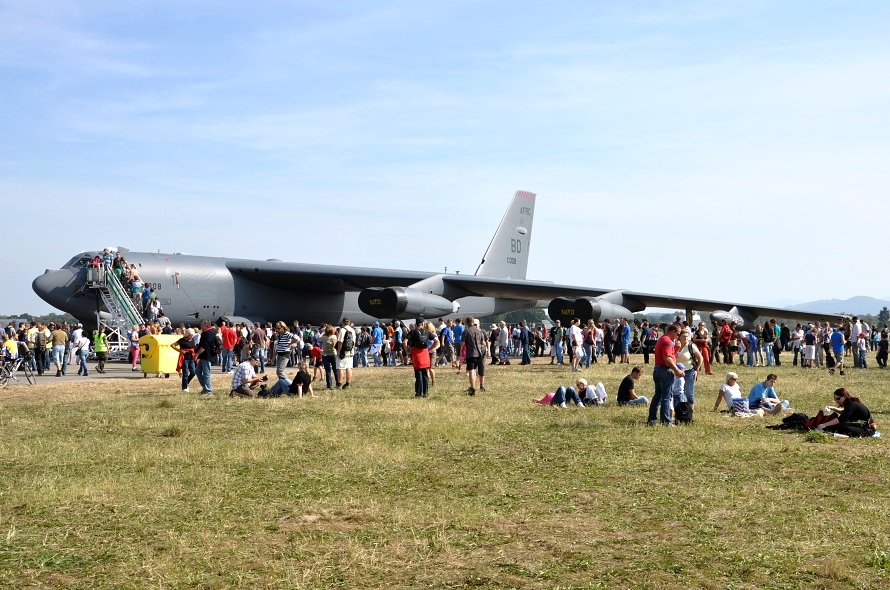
{"points": [[130, 483]]}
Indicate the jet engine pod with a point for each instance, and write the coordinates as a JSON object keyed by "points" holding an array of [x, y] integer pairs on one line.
{"points": [[565, 309], [585, 308], [719, 315], [606, 310], [403, 303]]}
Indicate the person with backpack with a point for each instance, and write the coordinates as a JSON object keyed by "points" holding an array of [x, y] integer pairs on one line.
{"points": [[691, 358], [525, 343], [208, 348], [421, 342], [345, 350]]}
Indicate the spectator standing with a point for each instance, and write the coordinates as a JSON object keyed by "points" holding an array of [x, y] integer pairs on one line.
{"points": [[663, 375]]}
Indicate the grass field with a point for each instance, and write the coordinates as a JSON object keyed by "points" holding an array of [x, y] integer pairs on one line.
{"points": [[132, 484]]}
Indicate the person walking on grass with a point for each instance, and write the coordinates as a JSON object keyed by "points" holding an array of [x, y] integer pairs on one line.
{"points": [[837, 347], [474, 344]]}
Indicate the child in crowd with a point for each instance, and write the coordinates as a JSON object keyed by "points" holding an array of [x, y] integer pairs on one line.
{"points": [[862, 343]]}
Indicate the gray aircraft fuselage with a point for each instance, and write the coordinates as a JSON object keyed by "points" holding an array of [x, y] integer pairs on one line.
{"points": [[192, 288]]}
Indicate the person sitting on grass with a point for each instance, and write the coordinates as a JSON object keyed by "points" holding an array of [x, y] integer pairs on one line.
{"points": [[763, 396], [626, 394], [302, 383], [850, 418], [559, 397], [591, 395], [245, 379], [729, 391]]}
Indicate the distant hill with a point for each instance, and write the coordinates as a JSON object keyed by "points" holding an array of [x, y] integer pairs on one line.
{"points": [[856, 305]]}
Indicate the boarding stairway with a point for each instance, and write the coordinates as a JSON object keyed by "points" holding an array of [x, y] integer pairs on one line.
{"points": [[122, 313]]}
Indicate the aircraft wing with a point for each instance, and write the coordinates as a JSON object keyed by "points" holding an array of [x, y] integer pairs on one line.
{"points": [[516, 289], [320, 277], [338, 279], [681, 303], [476, 286]]}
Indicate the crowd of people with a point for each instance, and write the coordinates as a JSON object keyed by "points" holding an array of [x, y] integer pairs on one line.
{"points": [[331, 352]]}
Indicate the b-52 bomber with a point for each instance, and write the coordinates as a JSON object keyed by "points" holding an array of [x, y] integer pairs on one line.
{"points": [[193, 288]]}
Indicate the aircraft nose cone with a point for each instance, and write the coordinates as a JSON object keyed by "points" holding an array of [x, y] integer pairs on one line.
{"points": [[54, 286]]}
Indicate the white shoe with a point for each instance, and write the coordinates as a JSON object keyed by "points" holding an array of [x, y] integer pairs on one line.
{"points": [[562, 405], [185, 389], [580, 404]]}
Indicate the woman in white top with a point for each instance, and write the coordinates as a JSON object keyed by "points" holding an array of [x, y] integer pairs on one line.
{"points": [[728, 391], [689, 356]]}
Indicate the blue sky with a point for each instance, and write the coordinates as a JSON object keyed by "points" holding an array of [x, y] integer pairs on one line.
{"points": [[723, 150]]}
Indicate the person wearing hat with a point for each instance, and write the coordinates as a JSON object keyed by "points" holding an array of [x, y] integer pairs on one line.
{"points": [[346, 340], [245, 379], [503, 341]]}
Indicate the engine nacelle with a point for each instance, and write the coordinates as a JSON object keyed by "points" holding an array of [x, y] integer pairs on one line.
{"points": [[404, 303], [585, 308], [733, 315]]}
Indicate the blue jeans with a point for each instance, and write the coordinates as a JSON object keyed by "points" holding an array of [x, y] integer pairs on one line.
{"points": [[281, 362], [421, 382], [188, 372], [690, 386], [329, 362], [588, 355], [526, 355], [770, 356], [557, 350], [641, 400], [750, 357], [281, 387], [58, 353], [83, 354], [562, 394], [227, 355], [203, 373], [375, 354], [663, 377]]}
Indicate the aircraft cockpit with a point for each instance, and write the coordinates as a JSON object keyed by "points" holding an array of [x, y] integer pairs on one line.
{"points": [[82, 260]]}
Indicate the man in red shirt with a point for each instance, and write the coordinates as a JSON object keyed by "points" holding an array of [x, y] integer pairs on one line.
{"points": [[725, 342], [663, 374], [229, 338]]}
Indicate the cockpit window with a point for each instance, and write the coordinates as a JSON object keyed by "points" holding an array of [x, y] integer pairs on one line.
{"points": [[79, 261]]}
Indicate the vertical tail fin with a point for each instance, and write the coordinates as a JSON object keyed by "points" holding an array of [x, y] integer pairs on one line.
{"points": [[507, 254]]}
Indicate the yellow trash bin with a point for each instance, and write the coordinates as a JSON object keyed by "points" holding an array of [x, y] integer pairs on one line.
{"points": [[156, 355]]}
